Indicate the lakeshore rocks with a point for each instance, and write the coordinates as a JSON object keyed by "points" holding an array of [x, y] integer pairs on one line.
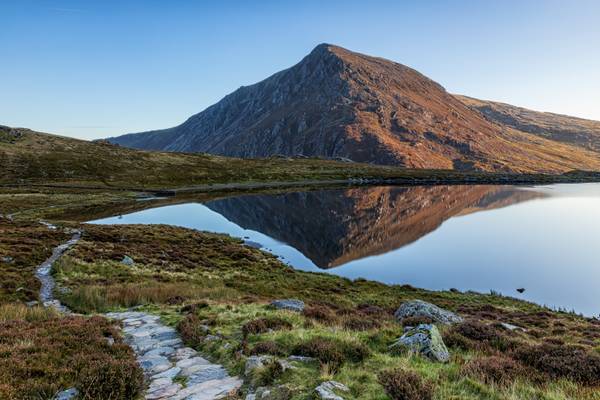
{"points": [[420, 308], [289, 304], [327, 390], [128, 261], [425, 340], [164, 359]]}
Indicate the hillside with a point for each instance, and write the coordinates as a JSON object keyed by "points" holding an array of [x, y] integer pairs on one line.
{"points": [[562, 128], [337, 103], [39, 158]]}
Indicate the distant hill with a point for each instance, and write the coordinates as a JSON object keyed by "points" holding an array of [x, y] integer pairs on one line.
{"points": [[563, 128], [337, 103], [39, 158]]}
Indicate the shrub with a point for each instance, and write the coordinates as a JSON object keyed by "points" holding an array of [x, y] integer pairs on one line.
{"points": [[471, 335], [321, 314], [571, 362], [494, 370], [360, 323], [192, 330], [267, 374], [262, 325], [400, 384], [416, 321], [38, 359], [334, 352], [267, 347], [107, 378]]}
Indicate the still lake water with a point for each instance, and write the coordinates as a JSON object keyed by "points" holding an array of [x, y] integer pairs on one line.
{"points": [[543, 239]]}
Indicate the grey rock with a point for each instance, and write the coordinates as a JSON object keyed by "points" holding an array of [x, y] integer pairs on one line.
{"points": [[208, 373], [327, 390], [425, 340], [160, 351], [67, 394], [32, 303], [170, 373], [302, 359], [163, 391], [420, 308], [254, 362], [512, 327], [289, 304], [128, 261], [188, 362], [6, 259]]}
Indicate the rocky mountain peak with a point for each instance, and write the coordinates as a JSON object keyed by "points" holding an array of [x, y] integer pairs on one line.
{"points": [[339, 103]]}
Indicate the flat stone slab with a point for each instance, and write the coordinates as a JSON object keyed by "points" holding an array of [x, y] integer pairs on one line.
{"points": [[163, 357]]}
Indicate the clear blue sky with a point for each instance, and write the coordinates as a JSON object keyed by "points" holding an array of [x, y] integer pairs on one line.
{"points": [[93, 69]]}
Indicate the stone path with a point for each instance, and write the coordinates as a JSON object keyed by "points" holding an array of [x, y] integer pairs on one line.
{"points": [[43, 271], [174, 372]]}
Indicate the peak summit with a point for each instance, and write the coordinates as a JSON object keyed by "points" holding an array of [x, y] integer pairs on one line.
{"points": [[338, 103]]}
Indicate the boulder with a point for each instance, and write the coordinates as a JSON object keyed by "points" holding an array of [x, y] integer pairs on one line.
{"points": [[327, 390], [127, 261], [425, 340], [420, 308], [288, 304], [254, 362], [512, 327], [67, 394]]}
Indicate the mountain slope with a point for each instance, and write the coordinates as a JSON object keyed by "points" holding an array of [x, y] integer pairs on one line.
{"points": [[337, 103], [562, 128]]}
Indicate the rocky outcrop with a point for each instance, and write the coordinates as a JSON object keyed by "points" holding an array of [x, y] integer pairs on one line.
{"points": [[288, 304], [327, 390], [424, 340], [420, 308]]}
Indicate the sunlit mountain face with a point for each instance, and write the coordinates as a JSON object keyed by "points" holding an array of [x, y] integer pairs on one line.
{"points": [[335, 227]]}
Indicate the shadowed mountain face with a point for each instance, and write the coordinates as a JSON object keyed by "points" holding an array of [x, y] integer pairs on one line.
{"points": [[334, 227], [337, 103]]}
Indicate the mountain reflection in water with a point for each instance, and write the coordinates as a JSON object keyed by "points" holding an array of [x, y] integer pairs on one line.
{"points": [[334, 227]]}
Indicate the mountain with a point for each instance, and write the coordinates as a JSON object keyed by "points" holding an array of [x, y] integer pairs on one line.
{"points": [[334, 227], [563, 128], [338, 103]]}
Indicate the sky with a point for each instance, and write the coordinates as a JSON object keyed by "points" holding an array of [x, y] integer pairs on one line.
{"points": [[92, 69]]}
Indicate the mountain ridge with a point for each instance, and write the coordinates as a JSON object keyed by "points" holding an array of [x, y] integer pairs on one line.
{"points": [[338, 103]]}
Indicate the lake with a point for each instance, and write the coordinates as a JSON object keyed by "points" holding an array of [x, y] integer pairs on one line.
{"points": [[545, 240]]}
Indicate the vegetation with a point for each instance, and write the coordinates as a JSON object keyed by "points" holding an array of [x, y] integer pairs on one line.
{"points": [[42, 353], [213, 285], [207, 284]]}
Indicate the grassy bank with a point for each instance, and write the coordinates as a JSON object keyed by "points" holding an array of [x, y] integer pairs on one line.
{"points": [[41, 160], [213, 285]]}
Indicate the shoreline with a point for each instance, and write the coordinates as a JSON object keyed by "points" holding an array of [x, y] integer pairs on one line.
{"points": [[431, 180]]}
